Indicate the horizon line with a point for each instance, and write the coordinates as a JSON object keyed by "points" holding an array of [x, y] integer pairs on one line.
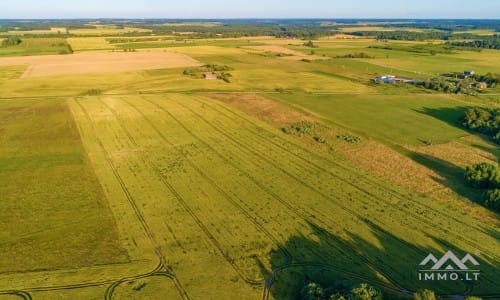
{"points": [[252, 18]]}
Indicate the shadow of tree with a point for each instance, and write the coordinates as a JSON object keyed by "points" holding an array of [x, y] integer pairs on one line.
{"points": [[341, 262], [452, 116], [452, 175]]}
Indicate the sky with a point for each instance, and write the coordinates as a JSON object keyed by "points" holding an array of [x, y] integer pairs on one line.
{"points": [[207, 9]]}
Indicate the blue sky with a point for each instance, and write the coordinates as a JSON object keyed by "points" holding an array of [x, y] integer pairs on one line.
{"points": [[250, 9]]}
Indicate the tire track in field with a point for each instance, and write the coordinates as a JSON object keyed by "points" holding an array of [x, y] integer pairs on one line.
{"points": [[312, 188], [296, 211], [162, 264], [207, 232], [366, 179], [395, 285], [418, 217], [21, 294]]}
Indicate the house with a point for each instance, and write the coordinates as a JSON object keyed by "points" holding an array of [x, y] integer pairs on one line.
{"points": [[385, 79], [468, 73], [210, 76], [394, 79]]}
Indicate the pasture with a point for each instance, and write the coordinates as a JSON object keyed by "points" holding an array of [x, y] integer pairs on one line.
{"points": [[123, 178]]}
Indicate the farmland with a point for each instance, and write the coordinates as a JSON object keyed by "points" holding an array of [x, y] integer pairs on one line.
{"points": [[125, 178]]}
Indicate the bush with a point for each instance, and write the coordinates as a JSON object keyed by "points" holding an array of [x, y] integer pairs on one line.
{"points": [[310, 44], [303, 127], [92, 92], [11, 41], [351, 139], [491, 199], [312, 291], [365, 292], [424, 295], [320, 139], [483, 176]]}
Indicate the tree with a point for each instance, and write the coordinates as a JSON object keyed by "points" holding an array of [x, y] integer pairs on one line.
{"points": [[491, 199], [365, 292], [483, 176], [11, 41], [312, 291], [424, 295]]}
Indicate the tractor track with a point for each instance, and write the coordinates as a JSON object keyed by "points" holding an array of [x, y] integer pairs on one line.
{"points": [[212, 238], [367, 180], [294, 210]]}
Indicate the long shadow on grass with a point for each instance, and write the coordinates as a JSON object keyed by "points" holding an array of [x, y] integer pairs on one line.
{"points": [[453, 116], [451, 175], [390, 263]]}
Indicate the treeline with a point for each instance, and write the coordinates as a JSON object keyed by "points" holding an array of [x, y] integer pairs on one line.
{"points": [[363, 291], [486, 177], [483, 120], [314, 291], [404, 35], [301, 31], [13, 25], [11, 41], [486, 43]]}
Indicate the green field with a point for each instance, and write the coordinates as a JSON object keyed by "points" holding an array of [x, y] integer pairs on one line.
{"points": [[51, 198], [37, 46], [153, 184]]}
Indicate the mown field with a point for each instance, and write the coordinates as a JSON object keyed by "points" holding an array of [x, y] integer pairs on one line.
{"points": [[148, 183]]}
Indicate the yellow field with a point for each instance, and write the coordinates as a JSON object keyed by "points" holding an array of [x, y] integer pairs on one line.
{"points": [[98, 62]]}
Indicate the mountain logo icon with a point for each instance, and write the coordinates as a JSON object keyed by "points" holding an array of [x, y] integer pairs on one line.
{"points": [[449, 261]]}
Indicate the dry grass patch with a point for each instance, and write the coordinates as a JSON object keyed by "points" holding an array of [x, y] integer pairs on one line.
{"points": [[98, 62], [290, 54]]}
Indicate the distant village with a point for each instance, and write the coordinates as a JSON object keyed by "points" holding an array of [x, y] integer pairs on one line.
{"points": [[467, 82]]}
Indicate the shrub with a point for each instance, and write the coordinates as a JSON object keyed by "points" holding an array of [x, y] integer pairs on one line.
{"points": [[312, 291], [303, 127], [310, 44], [365, 292], [11, 41], [320, 139], [483, 176], [424, 295], [491, 199], [92, 92], [349, 138]]}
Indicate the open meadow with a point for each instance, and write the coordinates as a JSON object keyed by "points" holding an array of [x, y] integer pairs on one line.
{"points": [[149, 167]]}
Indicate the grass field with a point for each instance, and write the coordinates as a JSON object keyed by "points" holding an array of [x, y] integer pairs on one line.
{"points": [[54, 212], [37, 46], [166, 186]]}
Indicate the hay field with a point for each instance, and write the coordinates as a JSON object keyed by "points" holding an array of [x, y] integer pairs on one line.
{"points": [[98, 62], [289, 53]]}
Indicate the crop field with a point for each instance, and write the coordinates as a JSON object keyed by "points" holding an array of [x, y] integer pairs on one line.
{"points": [[69, 225], [37, 46], [98, 62], [127, 175]]}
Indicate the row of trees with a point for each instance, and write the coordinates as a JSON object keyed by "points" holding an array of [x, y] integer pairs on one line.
{"points": [[486, 43], [363, 291], [11, 41]]}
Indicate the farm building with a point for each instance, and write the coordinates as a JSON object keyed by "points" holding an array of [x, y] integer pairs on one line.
{"points": [[469, 73], [394, 79], [210, 76]]}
